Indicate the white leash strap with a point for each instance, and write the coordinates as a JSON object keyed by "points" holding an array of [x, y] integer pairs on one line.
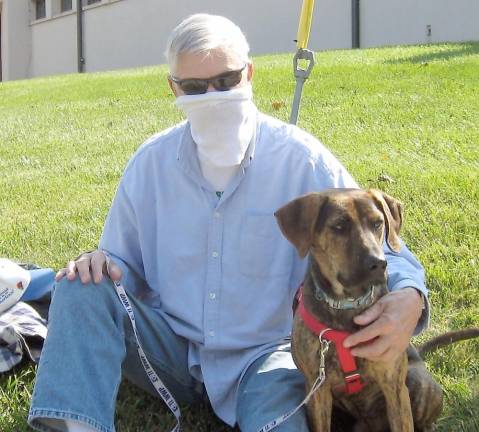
{"points": [[150, 372], [316, 385]]}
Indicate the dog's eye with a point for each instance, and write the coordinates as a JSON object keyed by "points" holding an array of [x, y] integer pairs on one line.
{"points": [[378, 224], [339, 227]]}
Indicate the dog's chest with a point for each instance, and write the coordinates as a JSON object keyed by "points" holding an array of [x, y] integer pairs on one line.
{"points": [[306, 353], [360, 403]]}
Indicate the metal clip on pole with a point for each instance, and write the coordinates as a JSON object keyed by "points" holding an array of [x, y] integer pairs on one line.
{"points": [[301, 76]]}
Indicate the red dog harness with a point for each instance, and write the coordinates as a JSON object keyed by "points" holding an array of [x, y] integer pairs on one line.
{"points": [[352, 377]]}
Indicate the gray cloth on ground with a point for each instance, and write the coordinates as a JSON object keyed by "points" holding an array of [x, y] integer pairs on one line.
{"points": [[22, 330]]}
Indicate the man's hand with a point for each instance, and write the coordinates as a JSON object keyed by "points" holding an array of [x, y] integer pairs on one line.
{"points": [[391, 321], [90, 266]]}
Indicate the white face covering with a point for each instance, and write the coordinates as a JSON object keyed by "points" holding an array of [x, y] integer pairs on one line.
{"points": [[222, 124]]}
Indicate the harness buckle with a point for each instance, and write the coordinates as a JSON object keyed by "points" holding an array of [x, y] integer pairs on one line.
{"points": [[353, 381]]}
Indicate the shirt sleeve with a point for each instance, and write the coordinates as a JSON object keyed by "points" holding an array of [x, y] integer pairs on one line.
{"points": [[120, 234], [404, 270]]}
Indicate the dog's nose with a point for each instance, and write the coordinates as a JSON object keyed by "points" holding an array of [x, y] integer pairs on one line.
{"points": [[375, 263]]}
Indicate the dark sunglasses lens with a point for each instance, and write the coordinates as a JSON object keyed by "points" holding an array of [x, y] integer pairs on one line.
{"points": [[227, 81], [193, 86]]}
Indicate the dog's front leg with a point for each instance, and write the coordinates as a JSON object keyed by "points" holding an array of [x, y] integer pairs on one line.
{"points": [[319, 410], [398, 404], [399, 409], [425, 394]]}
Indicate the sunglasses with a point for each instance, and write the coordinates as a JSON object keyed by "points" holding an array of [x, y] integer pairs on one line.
{"points": [[221, 82]]}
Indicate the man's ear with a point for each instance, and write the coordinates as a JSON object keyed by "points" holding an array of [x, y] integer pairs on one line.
{"points": [[250, 72], [172, 87], [297, 220], [392, 210]]}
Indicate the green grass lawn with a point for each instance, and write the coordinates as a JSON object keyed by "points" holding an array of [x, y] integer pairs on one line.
{"points": [[409, 113]]}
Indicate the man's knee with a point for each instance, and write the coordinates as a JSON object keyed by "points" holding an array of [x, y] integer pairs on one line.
{"points": [[77, 293], [271, 387], [74, 300]]}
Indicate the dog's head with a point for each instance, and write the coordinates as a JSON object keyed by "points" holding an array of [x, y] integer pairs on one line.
{"points": [[343, 230]]}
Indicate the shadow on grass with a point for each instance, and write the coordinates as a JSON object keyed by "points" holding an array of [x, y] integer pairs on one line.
{"points": [[463, 417], [466, 49], [137, 411]]}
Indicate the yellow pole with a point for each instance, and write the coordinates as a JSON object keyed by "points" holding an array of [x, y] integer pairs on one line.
{"points": [[305, 24], [302, 53]]}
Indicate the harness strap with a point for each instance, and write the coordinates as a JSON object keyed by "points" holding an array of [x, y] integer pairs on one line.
{"points": [[352, 377]]}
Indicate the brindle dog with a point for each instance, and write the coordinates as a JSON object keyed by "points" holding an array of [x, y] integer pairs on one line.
{"points": [[343, 230]]}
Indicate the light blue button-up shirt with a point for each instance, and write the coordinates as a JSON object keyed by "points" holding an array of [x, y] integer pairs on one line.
{"points": [[219, 269]]}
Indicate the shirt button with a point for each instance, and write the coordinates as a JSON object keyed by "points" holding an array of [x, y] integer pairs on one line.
{"points": [[211, 333], [212, 295], [217, 214], [215, 254]]}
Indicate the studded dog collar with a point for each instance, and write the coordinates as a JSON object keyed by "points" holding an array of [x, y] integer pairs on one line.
{"points": [[345, 304]]}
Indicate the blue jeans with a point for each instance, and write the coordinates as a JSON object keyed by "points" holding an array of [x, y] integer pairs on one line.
{"points": [[90, 345]]}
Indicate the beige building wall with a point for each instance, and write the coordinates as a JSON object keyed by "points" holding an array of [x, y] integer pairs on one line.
{"points": [[54, 46], [16, 40], [129, 33], [395, 22]]}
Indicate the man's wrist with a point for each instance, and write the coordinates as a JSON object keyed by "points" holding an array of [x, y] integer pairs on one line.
{"points": [[420, 303], [422, 308], [421, 296]]}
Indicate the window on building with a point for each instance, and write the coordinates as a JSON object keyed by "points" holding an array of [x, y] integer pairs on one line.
{"points": [[66, 5], [89, 2], [40, 9]]}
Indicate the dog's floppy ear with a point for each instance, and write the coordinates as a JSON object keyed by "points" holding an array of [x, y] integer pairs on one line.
{"points": [[297, 220], [392, 210]]}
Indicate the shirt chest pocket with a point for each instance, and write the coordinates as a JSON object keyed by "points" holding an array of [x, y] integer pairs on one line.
{"points": [[264, 252]]}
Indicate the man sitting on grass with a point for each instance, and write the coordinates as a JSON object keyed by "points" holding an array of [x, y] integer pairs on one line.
{"points": [[192, 236]]}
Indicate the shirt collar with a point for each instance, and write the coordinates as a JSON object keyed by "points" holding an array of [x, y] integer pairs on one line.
{"points": [[188, 158]]}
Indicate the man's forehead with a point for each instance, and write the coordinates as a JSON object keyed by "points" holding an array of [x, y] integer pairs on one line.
{"points": [[206, 64]]}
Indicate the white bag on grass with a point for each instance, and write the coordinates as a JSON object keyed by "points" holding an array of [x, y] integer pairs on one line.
{"points": [[14, 281]]}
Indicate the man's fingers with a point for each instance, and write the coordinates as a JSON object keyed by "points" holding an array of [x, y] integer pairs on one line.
{"points": [[90, 267], [364, 335], [83, 268], [387, 356], [110, 268], [97, 265], [369, 315], [114, 271], [391, 322], [60, 274], [374, 350], [71, 270]]}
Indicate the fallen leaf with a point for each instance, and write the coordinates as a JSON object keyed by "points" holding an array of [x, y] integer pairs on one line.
{"points": [[277, 105]]}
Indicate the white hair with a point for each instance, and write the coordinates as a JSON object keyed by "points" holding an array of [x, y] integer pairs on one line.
{"points": [[202, 33]]}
